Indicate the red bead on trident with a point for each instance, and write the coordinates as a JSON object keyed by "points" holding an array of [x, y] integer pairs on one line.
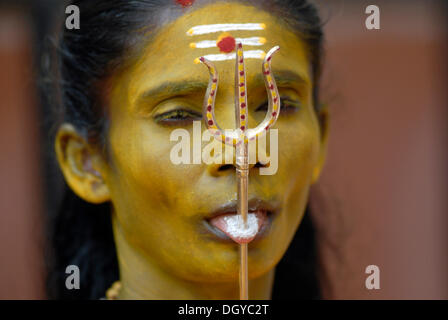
{"points": [[240, 136]]}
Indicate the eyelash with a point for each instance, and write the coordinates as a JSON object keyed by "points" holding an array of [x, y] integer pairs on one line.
{"points": [[177, 116], [286, 106], [180, 116]]}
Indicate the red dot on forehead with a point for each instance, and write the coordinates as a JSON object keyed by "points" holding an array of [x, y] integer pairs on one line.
{"points": [[185, 3], [226, 44]]}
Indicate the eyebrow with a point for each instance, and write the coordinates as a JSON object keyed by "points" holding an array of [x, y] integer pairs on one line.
{"points": [[284, 77], [173, 88], [185, 87]]}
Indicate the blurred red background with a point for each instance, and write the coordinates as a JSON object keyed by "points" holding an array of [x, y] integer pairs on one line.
{"points": [[382, 199]]}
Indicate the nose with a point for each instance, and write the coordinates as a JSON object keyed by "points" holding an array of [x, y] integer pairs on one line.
{"points": [[218, 170], [223, 169], [225, 163]]}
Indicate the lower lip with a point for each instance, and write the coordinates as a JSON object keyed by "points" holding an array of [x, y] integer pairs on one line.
{"points": [[264, 221]]}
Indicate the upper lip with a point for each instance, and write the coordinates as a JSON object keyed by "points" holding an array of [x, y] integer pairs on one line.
{"points": [[254, 204]]}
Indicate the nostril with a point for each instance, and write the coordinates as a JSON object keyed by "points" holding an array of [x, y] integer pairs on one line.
{"points": [[226, 167], [259, 165]]}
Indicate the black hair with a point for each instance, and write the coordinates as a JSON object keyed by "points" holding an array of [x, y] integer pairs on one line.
{"points": [[80, 233]]}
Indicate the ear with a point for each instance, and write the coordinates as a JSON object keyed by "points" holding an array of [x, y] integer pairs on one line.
{"points": [[81, 165], [323, 116]]}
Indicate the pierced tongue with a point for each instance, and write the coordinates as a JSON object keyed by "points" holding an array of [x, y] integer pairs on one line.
{"points": [[233, 225]]}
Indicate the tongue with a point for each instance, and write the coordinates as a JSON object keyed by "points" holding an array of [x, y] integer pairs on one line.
{"points": [[233, 225]]}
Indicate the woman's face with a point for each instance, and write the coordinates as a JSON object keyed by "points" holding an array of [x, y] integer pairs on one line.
{"points": [[162, 210]]}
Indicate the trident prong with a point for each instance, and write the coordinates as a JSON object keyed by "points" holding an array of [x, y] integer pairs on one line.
{"points": [[232, 137], [240, 136]]}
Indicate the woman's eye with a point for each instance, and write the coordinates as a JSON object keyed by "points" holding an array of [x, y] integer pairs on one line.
{"points": [[178, 117], [286, 106]]}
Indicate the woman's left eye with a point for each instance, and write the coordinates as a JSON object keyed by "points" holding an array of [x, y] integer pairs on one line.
{"points": [[287, 105], [178, 117]]}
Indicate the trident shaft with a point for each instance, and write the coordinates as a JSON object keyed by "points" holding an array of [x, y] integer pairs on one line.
{"points": [[240, 136]]}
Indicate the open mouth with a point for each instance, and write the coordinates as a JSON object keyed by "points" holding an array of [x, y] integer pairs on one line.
{"points": [[228, 225], [232, 225]]}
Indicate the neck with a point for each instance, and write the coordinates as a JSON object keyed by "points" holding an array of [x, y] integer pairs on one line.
{"points": [[142, 278]]}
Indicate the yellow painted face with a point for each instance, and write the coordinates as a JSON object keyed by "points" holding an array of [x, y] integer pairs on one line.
{"points": [[161, 209]]}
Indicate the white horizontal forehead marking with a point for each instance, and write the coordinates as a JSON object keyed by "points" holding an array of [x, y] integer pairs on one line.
{"points": [[253, 41], [221, 27], [254, 54]]}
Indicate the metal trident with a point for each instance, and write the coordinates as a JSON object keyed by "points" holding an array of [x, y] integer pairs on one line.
{"points": [[240, 136]]}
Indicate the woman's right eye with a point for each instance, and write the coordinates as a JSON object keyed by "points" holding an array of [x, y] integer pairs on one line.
{"points": [[287, 105], [178, 117]]}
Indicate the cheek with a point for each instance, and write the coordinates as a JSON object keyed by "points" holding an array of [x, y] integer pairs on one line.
{"points": [[142, 169], [299, 147], [147, 190], [298, 155]]}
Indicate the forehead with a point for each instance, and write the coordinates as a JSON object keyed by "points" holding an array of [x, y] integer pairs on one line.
{"points": [[172, 52]]}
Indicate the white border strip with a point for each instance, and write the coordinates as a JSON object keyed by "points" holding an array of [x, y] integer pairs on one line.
{"points": [[254, 41], [254, 54], [221, 27]]}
